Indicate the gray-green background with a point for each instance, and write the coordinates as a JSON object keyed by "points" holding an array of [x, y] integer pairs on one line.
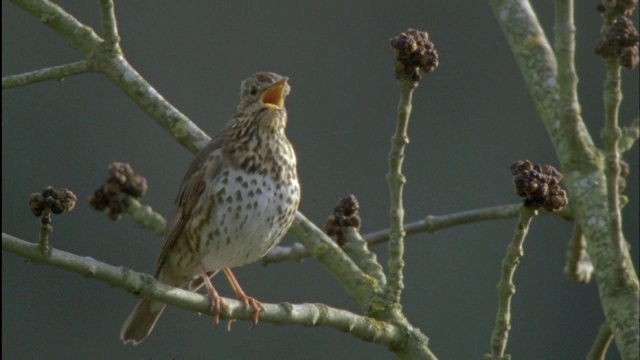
{"points": [[471, 119]]}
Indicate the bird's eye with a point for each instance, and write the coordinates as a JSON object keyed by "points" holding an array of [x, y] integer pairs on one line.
{"points": [[253, 90]]}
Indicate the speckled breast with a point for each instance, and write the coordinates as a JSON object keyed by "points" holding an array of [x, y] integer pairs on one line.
{"points": [[252, 214]]}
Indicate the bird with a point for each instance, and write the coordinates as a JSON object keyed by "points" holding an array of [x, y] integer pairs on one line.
{"points": [[236, 202]]}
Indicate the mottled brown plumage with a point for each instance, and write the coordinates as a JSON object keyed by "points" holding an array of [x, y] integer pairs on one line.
{"points": [[236, 202]]}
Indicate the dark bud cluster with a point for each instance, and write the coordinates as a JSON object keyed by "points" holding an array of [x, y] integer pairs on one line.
{"points": [[122, 183], [539, 185], [414, 52], [59, 201], [345, 214], [620, 42], [619, 7]]}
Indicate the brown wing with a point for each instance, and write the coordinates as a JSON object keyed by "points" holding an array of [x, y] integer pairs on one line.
{"points": [[191, 189]]}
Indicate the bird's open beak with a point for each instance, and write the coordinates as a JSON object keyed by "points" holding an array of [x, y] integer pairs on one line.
{"points": [[274, 96]]}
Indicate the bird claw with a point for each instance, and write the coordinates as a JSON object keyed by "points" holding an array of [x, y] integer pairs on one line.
{"points": [[216, 306], [257, 307], [229, 323], [248, 301]]}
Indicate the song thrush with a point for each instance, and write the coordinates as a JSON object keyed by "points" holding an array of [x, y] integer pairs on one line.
{"points": [[236, 202]]}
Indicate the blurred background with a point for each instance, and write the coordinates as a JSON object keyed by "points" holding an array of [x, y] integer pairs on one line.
{"points": [[471, 119]]}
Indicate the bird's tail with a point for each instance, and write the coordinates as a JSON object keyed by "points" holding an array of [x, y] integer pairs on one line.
{"points": [[141, 321]]}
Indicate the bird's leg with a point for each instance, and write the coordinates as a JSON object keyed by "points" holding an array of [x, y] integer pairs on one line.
{"points": [[247, 300], [216, 301]]}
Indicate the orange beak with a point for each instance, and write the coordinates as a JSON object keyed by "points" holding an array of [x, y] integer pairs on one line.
{"points": [[274, 96]]}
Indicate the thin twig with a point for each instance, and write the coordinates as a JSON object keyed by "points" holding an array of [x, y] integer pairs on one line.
{"points": [[431, 224], [611, 135], [109, 24], [45, 230], [358, 285], [145, 216], [78, 35], [366, 259], [601, 343], [579, 266], [567, 78], [187, 133], [396, 181], [114, 65], [434, 223], [506, 288], [53, 73]]}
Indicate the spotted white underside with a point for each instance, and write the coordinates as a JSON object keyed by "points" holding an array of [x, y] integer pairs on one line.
{"points": [[242, 228]]}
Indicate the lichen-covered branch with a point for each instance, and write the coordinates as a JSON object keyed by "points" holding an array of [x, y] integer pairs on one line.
{"points": [[366, 259], [53, 73], [343, 228], [146, 217], [405, 341], [358, 285], [538, 66], [506, 288], [365, 289], [396, 181], [187, 133], [435, 223], [145, 285], [430, 224], [583, 167], [611, 135], [601, 343], [568, 107], [109, 24], [414, 53], [80, 36], [579, 267], [105, 57]]}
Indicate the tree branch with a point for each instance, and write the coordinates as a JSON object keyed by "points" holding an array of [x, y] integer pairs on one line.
{"points": [[568, 106], [506, 288], [146, 217], [145, 285], [358, 285], [430, 224], [601, 343], [367, 260], [109, 24], [579, 266], [79, 35], [106, 58], [404, 340], [52, 73], [611, 135], [583, 167], [630, 135], [363, 288], [396, 181]]}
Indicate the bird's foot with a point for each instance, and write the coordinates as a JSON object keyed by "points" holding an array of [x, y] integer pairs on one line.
{"points": [[250, 302], [217, 306], [217, 303]]}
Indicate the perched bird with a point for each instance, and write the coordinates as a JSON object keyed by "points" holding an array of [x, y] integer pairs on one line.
{"points": [[236, 202]]}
